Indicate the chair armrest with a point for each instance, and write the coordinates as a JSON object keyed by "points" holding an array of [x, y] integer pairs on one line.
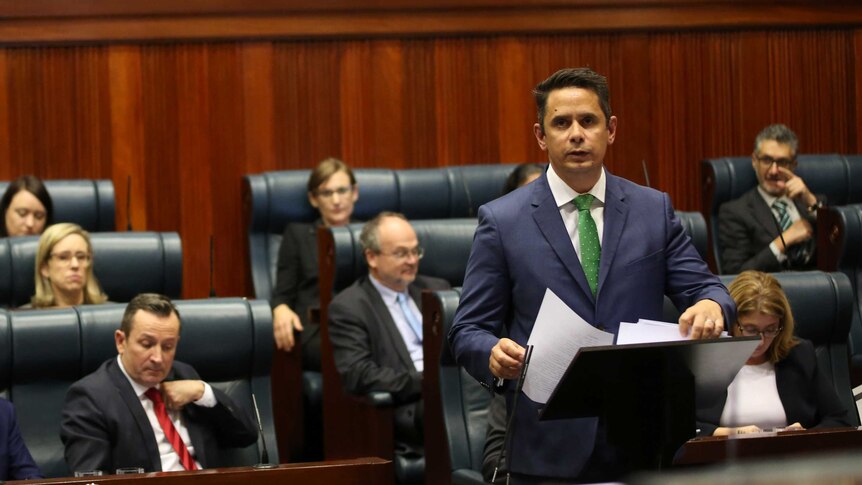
{"points": [[379, 399], [465, 476]]}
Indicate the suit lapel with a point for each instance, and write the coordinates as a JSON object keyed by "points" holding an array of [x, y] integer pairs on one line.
{"points": [[137, 411], [547, 217], [387, 324], [763, 214], [616, 213]]}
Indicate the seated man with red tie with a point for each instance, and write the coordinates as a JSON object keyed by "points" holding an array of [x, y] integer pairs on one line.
{"points": [[143, 409]]}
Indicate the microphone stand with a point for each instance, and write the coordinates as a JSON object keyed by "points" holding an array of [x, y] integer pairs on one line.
{"points": [[507, 435], [264, 455]]}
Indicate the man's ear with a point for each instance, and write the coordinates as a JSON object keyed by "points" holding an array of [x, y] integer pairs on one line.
{"points": [[540, 137]]}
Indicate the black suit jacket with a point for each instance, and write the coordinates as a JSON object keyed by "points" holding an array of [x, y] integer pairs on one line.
{"points": [[369, 352], [297, 285], [806, 394], [104, 426], [746, 226]]}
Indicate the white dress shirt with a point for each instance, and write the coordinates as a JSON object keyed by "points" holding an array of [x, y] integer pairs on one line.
{"points": [[752, 398], [169, 457], [411, 340], [564, 196]]}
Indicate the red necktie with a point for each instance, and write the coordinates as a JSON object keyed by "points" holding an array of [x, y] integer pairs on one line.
{"points": [[171, 433]]}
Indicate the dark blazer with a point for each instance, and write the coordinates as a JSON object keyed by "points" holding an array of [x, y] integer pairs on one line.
{"points": [[297, 284], [104, 426], [521, 248], [806, 394], [16, 463], [369, 352], [747, 225]]}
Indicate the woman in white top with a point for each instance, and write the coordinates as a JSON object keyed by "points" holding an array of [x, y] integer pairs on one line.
{"points": [[780, 386]]}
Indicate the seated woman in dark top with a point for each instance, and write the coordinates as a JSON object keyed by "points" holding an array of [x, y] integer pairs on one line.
{"points": [[332, 191], [780, 386], [64, 269], [26, 207]]}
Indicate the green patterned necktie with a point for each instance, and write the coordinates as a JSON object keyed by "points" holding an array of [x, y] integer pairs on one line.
{"points": [[783, 216], [591, 251]]}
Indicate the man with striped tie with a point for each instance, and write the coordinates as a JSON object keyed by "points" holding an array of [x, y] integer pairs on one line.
{"points": [[143, 409], [771, 227]]}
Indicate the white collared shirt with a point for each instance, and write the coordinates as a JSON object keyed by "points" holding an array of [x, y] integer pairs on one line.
{"points": [[564, 196], [411, 340], [168, 456], [792, 212]]}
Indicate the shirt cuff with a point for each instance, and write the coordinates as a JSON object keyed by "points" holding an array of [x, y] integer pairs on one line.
{"points": [[208, 400], [781, 257]]}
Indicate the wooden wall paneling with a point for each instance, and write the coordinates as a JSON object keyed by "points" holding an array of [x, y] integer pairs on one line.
{"points": [[515, 101], [856, 90], [420, 102], [200, 144], [307, 99], [258, 91], [6, 172], [127, 136], [372, 103], [226, 119], [467, 101]]}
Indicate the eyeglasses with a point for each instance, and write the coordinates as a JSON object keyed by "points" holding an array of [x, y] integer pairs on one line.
{"points": [[38, 215], [66, 258], [328, 193], [402, 253], [750, 331], [766, 161]]}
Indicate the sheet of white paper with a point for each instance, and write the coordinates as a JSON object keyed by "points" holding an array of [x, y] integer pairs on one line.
{"points": [[649, 331], [556, 337], [645, 333]]}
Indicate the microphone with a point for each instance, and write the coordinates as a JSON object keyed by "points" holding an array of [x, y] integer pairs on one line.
{"points": [[646, 173], [264, 455], [786, 263], [507, 435], [212, 266], [129, 203]]}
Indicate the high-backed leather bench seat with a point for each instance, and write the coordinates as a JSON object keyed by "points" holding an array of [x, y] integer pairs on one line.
{"points": [[227, 340], [126, 263], [88, 203]]}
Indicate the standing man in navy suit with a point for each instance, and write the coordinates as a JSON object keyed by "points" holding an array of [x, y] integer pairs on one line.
{"points": [[611, 255]]}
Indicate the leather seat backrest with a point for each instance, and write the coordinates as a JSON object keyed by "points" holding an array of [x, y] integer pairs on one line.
{"points": [[227, 340], [46, 360], [88, 203], [695, 226], [447, 244], [464, 401], [843, 224], [126, 263], [275, 199]]}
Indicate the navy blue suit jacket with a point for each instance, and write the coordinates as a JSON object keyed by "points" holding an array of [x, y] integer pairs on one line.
{"points": [[521, 247], [15, 460]]}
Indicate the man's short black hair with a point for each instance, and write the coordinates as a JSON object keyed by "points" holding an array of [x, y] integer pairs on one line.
{"points": [[159, 305], [578, 77]]}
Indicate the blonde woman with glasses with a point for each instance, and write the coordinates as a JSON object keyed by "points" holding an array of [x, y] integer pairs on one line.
{"points": [[64, 269], [780, 386]]}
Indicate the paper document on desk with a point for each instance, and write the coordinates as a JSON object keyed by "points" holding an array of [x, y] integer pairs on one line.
{"points": [[649, 331], [557, 336]]}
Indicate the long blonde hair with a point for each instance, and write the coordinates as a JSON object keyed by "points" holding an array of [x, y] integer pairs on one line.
{"points": [[758, 292], [44, 296]]}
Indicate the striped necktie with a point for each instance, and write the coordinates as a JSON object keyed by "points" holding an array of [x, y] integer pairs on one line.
{"points": [[588, 236], [409, 316], [780, 208], [171, 432]]}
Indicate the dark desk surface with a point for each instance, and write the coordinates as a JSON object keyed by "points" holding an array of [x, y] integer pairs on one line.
{"points": [[717, 449], [357, 471]]}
